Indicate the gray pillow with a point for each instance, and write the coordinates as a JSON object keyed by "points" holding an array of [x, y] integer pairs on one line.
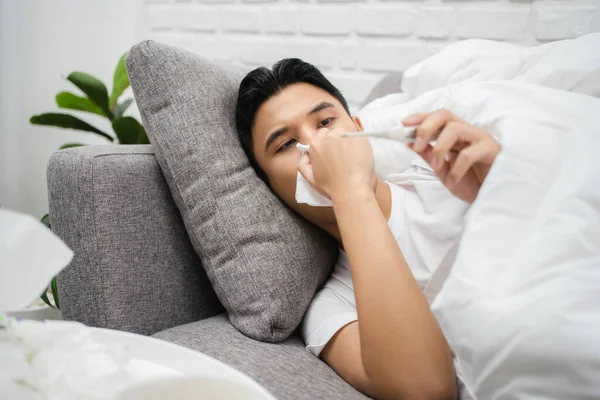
{"points": [[264, 261]]}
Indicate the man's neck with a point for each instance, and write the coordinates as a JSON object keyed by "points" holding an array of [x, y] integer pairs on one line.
{"points": [[383, 195]]}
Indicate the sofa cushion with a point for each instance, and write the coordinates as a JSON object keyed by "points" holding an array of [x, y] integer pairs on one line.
{"points": [[286, 369], [264, 261]]}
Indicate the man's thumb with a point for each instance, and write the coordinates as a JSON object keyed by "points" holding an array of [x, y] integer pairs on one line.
{"points": [[305, 169]]}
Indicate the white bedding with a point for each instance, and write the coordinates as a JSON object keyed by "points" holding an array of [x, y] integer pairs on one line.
{"points": [[521, 306]]}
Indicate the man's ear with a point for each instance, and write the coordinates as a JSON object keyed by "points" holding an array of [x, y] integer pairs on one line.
{"points": [[357, 123]]}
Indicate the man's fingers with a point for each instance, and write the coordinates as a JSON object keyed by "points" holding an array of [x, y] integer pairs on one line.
{"points": [[471, 134], [318, 138], [478, 152], [305, 169], [431, 126], [414, 119], [337, 132], [427, 155], [456, 136], [445, 143]]}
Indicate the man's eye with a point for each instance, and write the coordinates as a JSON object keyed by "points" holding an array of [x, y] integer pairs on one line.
{"points": [[286, 145], [326, 122]]}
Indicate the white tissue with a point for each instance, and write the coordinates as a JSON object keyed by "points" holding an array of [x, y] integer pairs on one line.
{"points": [[390, 157], [302, 147], [30, 256], [304, 192]]}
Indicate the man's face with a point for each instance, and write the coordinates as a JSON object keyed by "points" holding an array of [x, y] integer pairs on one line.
{"points": [[292, 116]]}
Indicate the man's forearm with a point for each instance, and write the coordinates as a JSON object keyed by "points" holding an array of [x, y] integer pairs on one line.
{"points": [[402, 345]]}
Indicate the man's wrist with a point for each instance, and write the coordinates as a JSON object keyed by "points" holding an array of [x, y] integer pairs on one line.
{"points": [[352, 193]]}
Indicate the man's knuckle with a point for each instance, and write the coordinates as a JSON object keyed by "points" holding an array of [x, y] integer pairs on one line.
{"points": [[439, 151], [465, 157], [444, 113], [454, 127]]}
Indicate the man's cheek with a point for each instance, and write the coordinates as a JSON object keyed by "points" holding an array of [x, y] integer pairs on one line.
{"points": [[282, 175]]}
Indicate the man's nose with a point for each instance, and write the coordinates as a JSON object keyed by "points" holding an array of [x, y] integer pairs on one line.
{"points": [[306, 135]]}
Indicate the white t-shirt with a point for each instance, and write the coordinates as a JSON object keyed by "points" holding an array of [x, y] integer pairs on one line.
{"points": [[426, 220]]}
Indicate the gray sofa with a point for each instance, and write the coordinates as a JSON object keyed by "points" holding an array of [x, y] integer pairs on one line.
{"points": [[135, 269]]}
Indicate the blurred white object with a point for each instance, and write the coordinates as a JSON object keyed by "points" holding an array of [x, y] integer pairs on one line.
{"points": [[192, 389], [59, 360], [30, 256]]}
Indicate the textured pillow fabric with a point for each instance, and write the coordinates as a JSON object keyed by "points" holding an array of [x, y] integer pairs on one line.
{"points": [[263, 260]]}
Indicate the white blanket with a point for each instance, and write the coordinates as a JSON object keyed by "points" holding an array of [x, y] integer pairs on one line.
{"points": [[521, 306]]}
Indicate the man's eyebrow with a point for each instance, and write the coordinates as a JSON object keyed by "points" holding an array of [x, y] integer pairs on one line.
{"points": [[323, 105], [275, 135]]}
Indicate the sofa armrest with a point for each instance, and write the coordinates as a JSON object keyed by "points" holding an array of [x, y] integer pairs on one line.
{"points": [[134, 267]]}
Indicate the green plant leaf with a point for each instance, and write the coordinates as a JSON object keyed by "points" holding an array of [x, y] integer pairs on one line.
{"points": [[66, 121], [143, 139], [120, 82], [44, 297], [73, 102], [46, 220], [69, 145], [54, 287], [121, 108], [93, 88], [129, 131]]}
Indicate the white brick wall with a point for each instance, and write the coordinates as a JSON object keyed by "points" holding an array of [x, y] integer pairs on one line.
{"points": [[355, 42]]}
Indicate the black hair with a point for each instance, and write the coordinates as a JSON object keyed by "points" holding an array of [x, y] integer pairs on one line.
{"points": [[263, 83]]}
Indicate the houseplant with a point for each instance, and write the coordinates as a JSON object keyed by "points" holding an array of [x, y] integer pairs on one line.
{"points": [[127, 130]]}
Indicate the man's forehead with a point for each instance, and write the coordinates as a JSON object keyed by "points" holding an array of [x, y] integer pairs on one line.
{"points": [[292, 102]]}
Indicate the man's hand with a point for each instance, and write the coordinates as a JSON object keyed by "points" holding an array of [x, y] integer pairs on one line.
{"points": [[337, 166], [396, 349], [463, 153]]}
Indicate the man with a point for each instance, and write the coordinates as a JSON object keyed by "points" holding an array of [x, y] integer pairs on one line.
{"points": [[371, 322]]}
